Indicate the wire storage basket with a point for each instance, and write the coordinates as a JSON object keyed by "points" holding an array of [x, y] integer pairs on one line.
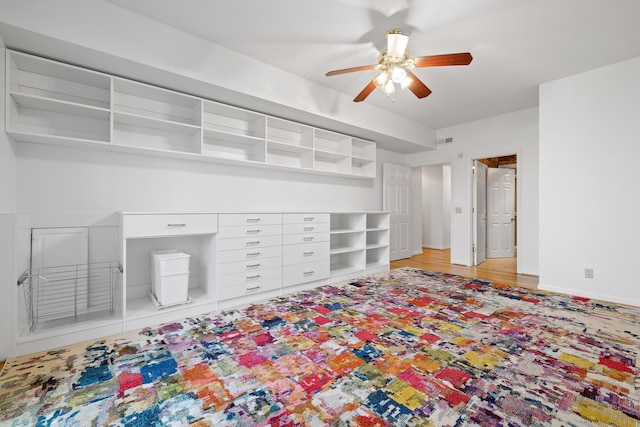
{"points": [[65, 295]]}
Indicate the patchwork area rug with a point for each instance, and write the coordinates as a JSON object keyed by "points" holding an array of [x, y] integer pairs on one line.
{"points": [[407, 348]]}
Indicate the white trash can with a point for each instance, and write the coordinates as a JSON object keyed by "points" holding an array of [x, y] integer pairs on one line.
{"points": [[170, 277]]}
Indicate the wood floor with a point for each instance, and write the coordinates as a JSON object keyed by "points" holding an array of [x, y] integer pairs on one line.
{"points": [[502, 270]]}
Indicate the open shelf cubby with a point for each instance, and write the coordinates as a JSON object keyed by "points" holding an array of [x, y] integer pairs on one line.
{"points": [[332, 143], [145, 132], [289, 133], [285, 154], [57, 81], [232, 146], [139, 99], [47, 99], [231, 120]]}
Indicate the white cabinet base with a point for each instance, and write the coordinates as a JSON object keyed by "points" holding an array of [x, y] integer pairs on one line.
{"points": [[304, 286], [244, 301], [232, 265], [60, 337]]}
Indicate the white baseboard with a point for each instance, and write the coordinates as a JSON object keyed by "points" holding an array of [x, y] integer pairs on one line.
{"points": [[591, 295]]}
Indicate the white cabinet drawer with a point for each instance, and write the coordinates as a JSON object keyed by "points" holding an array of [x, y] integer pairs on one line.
{"points": [[249, 254], [307, 252], [294, 239], [250, 219], [248, 289], [308, 272], [249, 266], [249, 231], [255, 242], [151, 225], [302, 218], [322, 227], [249, 277]]}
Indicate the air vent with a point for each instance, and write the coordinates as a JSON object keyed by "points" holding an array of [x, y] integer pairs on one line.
{"points": [[445, 141]]}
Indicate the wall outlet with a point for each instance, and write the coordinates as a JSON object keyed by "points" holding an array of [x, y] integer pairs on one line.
{"points": [[588, 273]]}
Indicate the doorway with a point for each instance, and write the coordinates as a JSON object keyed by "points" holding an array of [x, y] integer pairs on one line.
{"points": [[494, 208], [435, 187]]}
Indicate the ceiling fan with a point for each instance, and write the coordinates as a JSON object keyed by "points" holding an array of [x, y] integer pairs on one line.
{"points": [[395, 63]]}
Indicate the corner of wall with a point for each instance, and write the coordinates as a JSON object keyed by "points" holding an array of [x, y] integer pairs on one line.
{"points": [[8, 185]]}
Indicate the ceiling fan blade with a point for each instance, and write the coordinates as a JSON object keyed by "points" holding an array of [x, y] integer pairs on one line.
{"points": [[351, 70], [365, 92], [443, 60], [416, 86]]}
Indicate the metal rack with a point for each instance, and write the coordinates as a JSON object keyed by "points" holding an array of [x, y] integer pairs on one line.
{"points": [[65, 295]]}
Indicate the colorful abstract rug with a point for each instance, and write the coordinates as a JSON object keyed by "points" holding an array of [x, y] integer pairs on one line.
{"points": [[406, 348]]}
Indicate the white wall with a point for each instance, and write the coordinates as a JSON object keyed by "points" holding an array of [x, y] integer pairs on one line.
{"points": [[436, 206], [415, 214], [57, 179], [7, 213], [446, 206], [433, 231], [589, 123], [7, 153], [512, 133]]}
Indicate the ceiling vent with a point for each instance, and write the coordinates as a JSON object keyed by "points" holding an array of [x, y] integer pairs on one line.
{"points": [[445, 141]]}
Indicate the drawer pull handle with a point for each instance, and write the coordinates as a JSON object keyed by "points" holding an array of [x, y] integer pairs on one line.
{"points": [[253, 231], [307, 253], [308, 218], [253, 254], [308, 228], [256, 242], [176, 225], [256, 276], [253, 219], [253, 288], [308, 273], [253, 265], [307, 239]]}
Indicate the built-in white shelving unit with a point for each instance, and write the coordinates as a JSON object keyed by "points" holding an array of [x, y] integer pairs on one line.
{"points": [[359, 244], [50, 102], [144, 233], [234, 259], [233, 133], [377, 238]]}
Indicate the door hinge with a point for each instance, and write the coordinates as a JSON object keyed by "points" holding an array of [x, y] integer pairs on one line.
{"points": [[473, 247]]}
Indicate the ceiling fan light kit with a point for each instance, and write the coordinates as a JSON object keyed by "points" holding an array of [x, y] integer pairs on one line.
{"points": [[395, 63], [396, 43]]}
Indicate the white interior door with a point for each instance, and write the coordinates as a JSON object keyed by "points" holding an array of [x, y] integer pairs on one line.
{"points": [[60, 293], [395, 199], [479, 212], [500, 212]]}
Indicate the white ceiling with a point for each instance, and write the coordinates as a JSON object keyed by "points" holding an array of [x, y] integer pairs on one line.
{"points": [[516, 44]]}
